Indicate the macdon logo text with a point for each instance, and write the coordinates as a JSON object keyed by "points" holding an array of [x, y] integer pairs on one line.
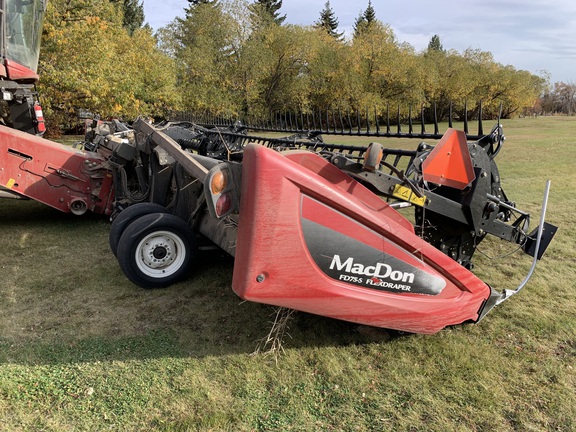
{"points": [[380, 270]]}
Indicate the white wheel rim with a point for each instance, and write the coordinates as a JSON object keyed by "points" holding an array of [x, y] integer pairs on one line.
{"points": [[160, 254]]}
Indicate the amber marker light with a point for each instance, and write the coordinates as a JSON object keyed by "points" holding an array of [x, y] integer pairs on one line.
{"points": [[219, 182]]}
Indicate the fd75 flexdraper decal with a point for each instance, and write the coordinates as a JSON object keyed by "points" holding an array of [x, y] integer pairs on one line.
{"points": [[346, 258]]}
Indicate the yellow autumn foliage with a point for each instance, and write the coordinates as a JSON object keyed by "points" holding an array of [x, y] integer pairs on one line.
{"points": [[89, 62]]}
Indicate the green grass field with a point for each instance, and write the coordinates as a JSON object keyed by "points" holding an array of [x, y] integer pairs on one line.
{"points": [[81, 348]]}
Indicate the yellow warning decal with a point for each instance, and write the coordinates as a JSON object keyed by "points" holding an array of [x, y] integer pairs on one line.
{"points": [[10, 183], [406, 194]]}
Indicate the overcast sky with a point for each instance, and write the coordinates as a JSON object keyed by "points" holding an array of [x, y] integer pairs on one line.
{"points": [[533, 35]]}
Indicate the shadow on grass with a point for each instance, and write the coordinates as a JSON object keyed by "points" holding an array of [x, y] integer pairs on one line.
{"points": [[306, 331], [76, 306], [24, 213]]}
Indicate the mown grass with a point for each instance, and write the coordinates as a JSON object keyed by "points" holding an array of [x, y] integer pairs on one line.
{"points": [[81, 348]]}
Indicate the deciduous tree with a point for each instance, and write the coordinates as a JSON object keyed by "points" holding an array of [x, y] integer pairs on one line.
{"points": [[204, 49], [332, 79], [564, 97], [89, 61], [281, 54]]}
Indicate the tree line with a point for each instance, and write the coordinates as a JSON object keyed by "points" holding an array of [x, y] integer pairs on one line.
{"points": [[240, 58], [560, 98]]}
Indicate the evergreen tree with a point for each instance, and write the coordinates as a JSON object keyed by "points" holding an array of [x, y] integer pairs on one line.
{"points": [[435, 44], [364, 20], [370, 13], [195, 4], [267, 11], [329, 22], [359, 24], [133, 15]]}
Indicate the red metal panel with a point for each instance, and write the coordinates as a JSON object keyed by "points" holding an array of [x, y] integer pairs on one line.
{"points": [[347, 184], [18, 72], [307, 233], [54, 174]]}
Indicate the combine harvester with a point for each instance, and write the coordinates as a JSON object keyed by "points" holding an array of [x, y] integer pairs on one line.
{"points": [[312, 226]]}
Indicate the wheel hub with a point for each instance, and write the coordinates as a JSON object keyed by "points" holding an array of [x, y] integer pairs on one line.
{"points": [[158, 252]]}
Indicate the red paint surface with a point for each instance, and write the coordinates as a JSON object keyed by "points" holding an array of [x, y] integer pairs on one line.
{"points": [[271, 244], [17, 72], [29, 165]]}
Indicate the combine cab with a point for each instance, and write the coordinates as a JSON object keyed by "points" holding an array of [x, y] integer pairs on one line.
{"points": [[20, 34]]}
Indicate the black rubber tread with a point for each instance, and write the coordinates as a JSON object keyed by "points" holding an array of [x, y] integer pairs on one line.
{"points": [[127, 216], [144, 226]]}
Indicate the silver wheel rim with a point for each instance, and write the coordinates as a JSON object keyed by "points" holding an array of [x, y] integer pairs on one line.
{"points": [[160, 254]]}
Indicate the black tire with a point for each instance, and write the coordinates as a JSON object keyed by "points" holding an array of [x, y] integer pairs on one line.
{"points": [[126, 217], [156, 250]]}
